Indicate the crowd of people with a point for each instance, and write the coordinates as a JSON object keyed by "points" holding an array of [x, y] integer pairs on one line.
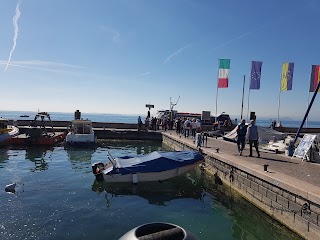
{"points": [[188, 127], [274, 124], [183, 125], [153, 123]]}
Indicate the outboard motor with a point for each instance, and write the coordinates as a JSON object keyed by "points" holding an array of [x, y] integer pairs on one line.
{"points": [[97, 169], [158, 231]]}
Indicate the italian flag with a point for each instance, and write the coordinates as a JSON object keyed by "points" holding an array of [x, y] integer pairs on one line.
{"points": [[223, 76]]}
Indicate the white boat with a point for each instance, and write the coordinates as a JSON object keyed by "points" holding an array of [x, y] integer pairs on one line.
{"points": [[155, 166], [81, 132], [7, 131], [278, 146]]}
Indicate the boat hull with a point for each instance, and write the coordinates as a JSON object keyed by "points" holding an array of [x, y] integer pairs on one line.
{"points": [[72, 138], [23, 139], [148, 176]]}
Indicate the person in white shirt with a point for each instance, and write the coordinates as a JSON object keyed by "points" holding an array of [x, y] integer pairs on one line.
{"points": [[186, 126], [198, 126], [193, 127]]}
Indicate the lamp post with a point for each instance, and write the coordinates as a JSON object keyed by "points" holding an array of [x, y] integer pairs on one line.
{"points": [[149, 106]]}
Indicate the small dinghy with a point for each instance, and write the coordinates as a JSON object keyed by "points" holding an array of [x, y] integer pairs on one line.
{"points": [[155, 166]]}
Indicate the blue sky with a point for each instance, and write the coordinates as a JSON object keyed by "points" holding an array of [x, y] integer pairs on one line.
{"points": [[116, 56]]}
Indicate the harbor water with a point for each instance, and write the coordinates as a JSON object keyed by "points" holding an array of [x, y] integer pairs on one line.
{"points": [[57, 198]]}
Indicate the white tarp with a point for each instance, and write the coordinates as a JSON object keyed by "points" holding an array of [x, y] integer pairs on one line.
{"points": [[265, 135]]}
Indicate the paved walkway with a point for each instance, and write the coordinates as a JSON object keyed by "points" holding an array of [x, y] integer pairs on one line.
{"points": [[300, 174]]}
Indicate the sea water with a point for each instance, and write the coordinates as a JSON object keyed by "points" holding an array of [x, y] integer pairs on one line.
{"points": [[57, 197], [126, 118]]}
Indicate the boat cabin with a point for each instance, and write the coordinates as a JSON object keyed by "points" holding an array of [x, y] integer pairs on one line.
{"points": [[4, 125], [81, 126]]}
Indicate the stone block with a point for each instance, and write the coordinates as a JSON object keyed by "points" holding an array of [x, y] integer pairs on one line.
{"points": [[235, 177], [254, 186], [289, 196], [247, 182], [244, 187], [267, 185], [299, 200], [283, 201], [277, 190], [294, 207], [243, 174], [311, 216], [276, 206], [258, 181], [272, 195], [315, 208], [240, 179], [263, 190], [250, 191], [266, 201], [258, 196], [250, 177]]}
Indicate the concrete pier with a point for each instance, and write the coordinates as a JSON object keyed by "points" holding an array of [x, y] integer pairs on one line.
{"points": [[289, 190]]}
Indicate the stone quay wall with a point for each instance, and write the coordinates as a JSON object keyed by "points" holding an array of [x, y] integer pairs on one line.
{"points": [[296, 209]]}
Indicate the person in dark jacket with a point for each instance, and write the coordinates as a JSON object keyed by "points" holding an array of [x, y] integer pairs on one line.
{"points": [[253, 136], [241, 132]]}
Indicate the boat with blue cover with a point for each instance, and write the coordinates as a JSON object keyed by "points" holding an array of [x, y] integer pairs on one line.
{"points": [[155, 166]]}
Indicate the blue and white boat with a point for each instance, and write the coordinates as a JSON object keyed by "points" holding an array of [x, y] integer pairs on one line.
{"points": [[155, 166]]}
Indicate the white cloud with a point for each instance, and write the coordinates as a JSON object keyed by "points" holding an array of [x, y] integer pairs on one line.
{"points": [[145, 74], [16, 31], [176, 53], [40, 65]]}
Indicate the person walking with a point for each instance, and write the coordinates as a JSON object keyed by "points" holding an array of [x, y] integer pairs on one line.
{"points": [[187, 126], [241, 132], [253, 136], [193, 128]]}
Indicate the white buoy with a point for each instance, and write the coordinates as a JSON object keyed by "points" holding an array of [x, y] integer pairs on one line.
{"points": [[10, 187]]}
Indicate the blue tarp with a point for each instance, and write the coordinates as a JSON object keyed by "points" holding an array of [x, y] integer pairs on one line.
{"points": [[156, 162]]}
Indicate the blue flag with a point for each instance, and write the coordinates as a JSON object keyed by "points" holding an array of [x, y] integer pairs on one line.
{"points": [[255, 75]]}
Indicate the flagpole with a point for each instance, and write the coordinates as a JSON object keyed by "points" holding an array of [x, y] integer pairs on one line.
{"points": [[309, 95], [308, 105], [248, 104], [244, 81], [278, 118], [249, 93], [307, 113], [216, 118], [217, 104]]}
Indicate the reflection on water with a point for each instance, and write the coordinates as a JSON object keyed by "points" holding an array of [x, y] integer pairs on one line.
{"points": [[3, 157], [133, 147], [80, 157], [157, 193], [40, 156]]}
